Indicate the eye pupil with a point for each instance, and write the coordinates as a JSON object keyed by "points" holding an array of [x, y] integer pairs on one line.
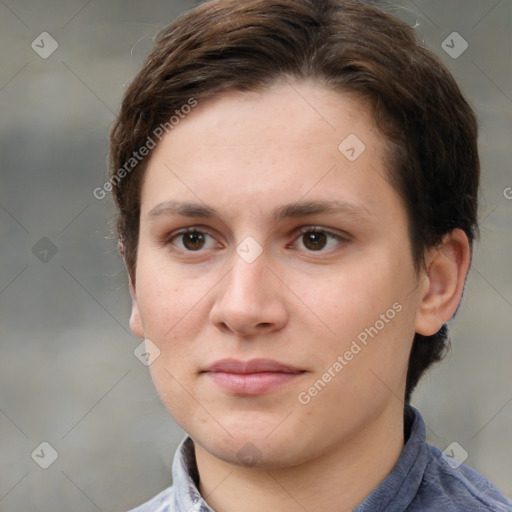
{"points": [[314, 240], [193, 240]]}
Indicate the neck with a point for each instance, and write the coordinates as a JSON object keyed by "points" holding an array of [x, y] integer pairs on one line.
{"points": [[337, 480]]}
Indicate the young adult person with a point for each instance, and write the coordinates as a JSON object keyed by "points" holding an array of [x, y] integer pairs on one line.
{"points": [[296, 184]]}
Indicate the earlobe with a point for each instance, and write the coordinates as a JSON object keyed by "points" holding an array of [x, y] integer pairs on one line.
{"points": [[447, 267]]}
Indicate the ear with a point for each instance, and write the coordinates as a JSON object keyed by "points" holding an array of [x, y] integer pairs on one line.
{"points": [[447, 267], [135, 318]]}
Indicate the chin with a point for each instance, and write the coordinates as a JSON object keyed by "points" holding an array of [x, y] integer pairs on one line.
{"points": [[258, 454], [258, 444]]}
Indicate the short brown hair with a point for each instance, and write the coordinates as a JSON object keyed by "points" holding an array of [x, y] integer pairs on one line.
{"points": [[348, 46]]}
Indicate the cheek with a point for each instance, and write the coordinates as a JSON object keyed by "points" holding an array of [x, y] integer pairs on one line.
{"points": [[175, 308], [173, 323], [349, 300], [370, 313], [169, 299]]}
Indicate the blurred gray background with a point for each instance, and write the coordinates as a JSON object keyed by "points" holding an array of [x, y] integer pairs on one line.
{"points": [[68, 375]]}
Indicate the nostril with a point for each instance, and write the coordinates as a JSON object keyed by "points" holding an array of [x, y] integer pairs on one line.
{"points": [[224, 327]]}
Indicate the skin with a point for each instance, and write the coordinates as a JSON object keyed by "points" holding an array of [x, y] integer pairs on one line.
{"points": [[244, 155]]}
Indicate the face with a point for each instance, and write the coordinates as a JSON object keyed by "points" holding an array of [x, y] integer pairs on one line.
{"points": [[274, 274]]}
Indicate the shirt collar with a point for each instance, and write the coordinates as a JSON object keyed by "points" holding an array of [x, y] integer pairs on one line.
{"points": [[394, 494], [399, 488], [186, 480]]}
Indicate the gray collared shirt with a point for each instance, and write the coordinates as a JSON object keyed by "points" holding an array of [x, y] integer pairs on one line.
{"points": [[423, 479]]}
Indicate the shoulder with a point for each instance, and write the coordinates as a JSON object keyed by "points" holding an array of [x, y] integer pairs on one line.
{"points": [[162, 502], [458, 487]]}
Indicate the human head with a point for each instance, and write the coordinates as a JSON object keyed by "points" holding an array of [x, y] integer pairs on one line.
{"points": [[348, 46]]}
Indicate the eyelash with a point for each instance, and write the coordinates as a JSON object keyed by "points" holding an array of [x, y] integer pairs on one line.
{"points": [[296, 234]]}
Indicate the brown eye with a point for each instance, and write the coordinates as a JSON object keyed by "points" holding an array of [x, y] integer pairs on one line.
{"points": [[193, 240], [318, 239], [314, 240]]}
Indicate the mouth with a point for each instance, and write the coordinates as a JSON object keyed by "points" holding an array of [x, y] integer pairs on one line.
{"points": [[254, 377]]}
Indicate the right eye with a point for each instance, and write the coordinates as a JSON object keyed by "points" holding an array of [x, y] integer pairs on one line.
{"points": [[192, 240]]}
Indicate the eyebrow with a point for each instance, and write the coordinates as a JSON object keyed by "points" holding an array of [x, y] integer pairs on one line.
{"points": [[304, 208], [290, 210]]}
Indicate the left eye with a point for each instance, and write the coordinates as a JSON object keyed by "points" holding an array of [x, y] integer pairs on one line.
{"points": [[313, 239]]}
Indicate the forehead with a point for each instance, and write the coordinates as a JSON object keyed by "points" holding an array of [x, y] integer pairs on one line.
{"points": [[255, 151], [287, 113]]}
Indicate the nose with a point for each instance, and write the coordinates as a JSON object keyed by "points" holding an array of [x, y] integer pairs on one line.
{"points": [[250, 300]]}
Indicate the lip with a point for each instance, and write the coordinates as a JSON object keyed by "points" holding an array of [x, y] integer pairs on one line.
{"points": [[253, 366], [254, 377]]}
